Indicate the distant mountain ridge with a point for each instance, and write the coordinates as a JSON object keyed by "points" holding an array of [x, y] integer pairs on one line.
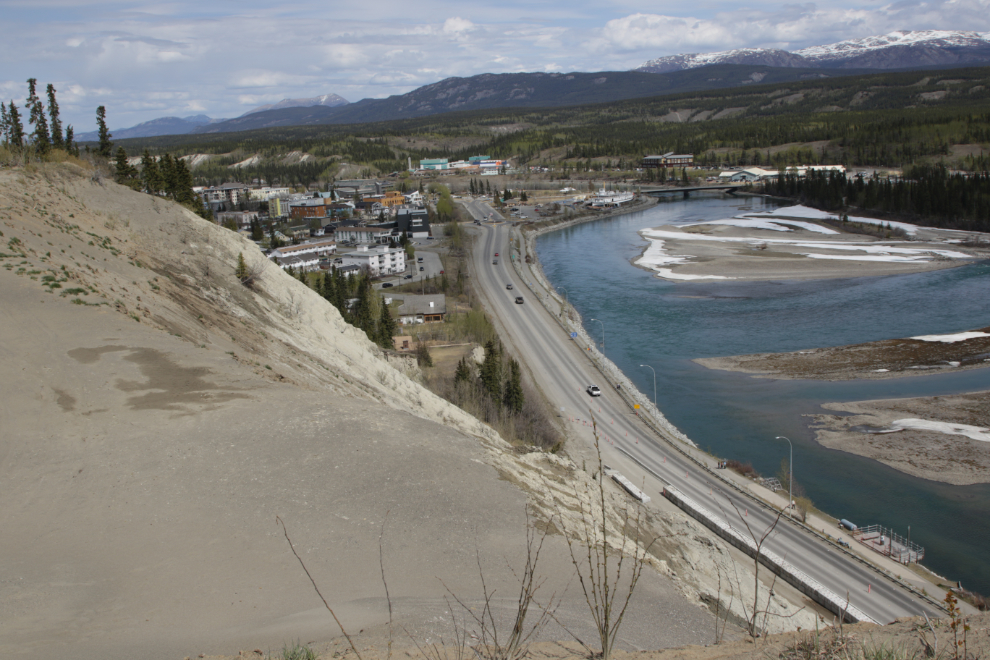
{"points": [[325, 100], [901, 49], [154, 127], [507, 90]]}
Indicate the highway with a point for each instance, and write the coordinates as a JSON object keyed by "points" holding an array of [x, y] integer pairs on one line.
{"points": [[563, 372]]}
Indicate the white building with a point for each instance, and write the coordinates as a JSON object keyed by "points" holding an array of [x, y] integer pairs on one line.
{"points": [[363, 235], [378, 259], [268, 193], [311, 252]]}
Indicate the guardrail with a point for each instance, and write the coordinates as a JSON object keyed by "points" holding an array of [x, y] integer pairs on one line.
{"points": [[797, 578]]}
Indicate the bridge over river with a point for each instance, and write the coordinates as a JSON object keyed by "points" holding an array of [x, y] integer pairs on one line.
{"points": [[727, 188]]}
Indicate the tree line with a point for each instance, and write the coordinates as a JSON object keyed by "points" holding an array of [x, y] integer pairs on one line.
{"points": [[928, 195], [46, 134]]}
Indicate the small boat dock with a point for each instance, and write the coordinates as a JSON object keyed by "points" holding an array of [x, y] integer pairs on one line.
{"points": [[889, 544]]}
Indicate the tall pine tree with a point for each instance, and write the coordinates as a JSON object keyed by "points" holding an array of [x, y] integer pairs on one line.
{"points": [[491, 371], [40, 136], [70, 141], [386, 327], [57, 140], [15, 128], [513, 398], [150, 175], [106, 146]]}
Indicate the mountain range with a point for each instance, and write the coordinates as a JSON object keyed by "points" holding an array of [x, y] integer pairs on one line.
{"points": [[326, 100], [160, 126], [903, 49], [670, 74]]}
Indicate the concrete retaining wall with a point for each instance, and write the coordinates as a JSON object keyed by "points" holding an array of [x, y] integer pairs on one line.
{"points": [[777, 564]]}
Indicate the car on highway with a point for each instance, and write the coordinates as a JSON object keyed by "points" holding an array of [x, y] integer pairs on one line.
{"points": [[519, 300], [407, 277], [509, 287], [387, 285], [494, 262], [421, 268], [594, 391], [496, 254]]}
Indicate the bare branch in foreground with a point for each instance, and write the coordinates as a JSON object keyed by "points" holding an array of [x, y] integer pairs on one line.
{"points": [[306, 570]]}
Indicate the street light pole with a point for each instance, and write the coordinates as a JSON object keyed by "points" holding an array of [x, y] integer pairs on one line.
{"points": [[565, 301], [603, 335], [654, 383], [790, 475]]}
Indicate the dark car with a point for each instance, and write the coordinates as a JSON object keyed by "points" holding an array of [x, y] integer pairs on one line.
{"points": [[509, 287], [387, 285], [421, 268], [494, 262], [519, 300], [407, 277]]}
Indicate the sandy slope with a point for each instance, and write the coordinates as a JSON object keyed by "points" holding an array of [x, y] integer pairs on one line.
{"points": [[152, 434], [153, 431]]}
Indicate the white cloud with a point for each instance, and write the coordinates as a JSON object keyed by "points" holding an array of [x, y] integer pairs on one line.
{"points": [[225, 58], [458, 26]]}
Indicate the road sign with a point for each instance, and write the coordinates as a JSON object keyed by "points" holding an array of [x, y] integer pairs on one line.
{"points": [[573, 335]]}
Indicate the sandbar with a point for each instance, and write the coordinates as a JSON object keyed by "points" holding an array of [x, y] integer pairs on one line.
{"points": [[954, 449], [797, 243]]}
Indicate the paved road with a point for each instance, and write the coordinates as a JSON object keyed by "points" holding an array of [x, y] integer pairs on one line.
{"points": [[564, 372]]}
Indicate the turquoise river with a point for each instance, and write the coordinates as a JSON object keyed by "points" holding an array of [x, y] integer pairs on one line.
{"points": [[666, 325]]}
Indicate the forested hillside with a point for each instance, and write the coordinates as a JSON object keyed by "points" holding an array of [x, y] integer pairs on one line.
{"points": [[884, 120]]}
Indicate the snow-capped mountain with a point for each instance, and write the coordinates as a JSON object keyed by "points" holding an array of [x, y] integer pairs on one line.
{"points": [[328, 100], [897, 50]]}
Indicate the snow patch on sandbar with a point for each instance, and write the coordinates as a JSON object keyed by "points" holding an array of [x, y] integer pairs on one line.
{"points": [[951, 339], [972, 432]]}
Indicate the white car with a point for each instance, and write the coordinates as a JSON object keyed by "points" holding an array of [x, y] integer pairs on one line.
{"points": [[594, 391]]}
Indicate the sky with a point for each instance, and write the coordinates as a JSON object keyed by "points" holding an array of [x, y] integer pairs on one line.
{"points": [[222, 58]]}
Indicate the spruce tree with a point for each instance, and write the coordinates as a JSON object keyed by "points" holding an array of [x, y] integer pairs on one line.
{"points": [[122, 169], [40, 137], [70, 141], [329, 288], [363, 312], [491, 371], [150, 175], [57, 140], [513, 399], [386, 327], [241, 272], [106, 146], [4, 123], [340, 291], [15, 129], [257, 233], [463, 372]]}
